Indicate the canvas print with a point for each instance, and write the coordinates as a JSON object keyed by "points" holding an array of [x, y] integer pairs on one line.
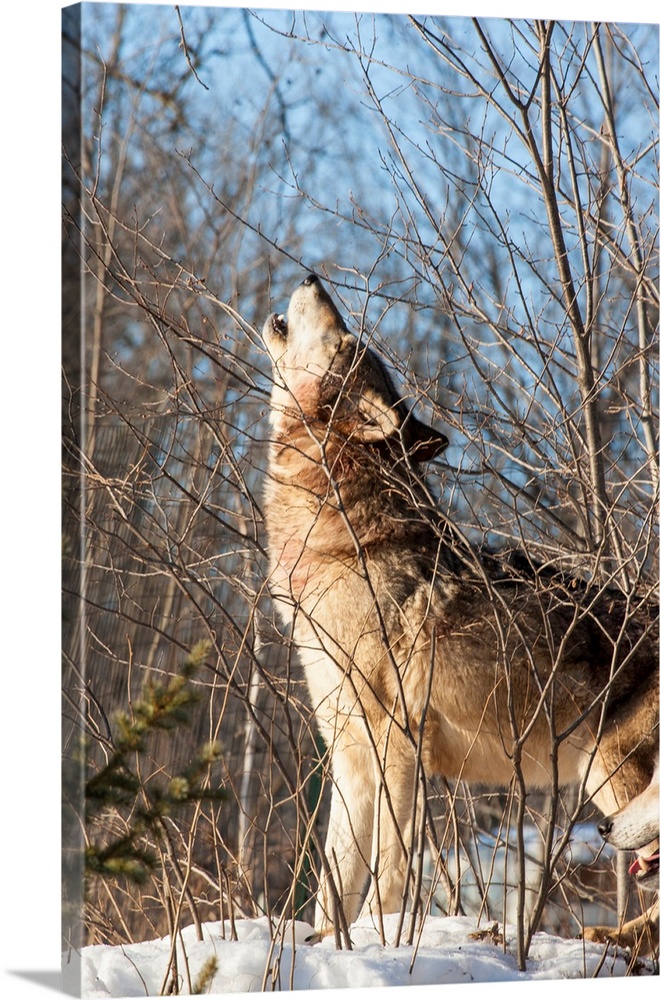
{"points": [[360, 484]]}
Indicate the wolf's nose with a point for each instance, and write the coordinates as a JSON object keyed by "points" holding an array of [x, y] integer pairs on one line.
{"points": [[605, 827], [311, 279]]}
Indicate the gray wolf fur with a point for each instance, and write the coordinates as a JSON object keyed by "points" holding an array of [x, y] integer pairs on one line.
{"points": [[422, 655]]}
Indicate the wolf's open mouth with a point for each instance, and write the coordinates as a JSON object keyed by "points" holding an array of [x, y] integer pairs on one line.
{"points": [[279, 325], [643, 867]]}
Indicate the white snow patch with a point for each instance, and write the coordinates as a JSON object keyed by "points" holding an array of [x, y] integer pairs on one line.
{"points": [[259, 960]]}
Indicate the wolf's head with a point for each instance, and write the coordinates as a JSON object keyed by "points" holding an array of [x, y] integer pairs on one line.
{"points": [[310, 335], [324, 373]]}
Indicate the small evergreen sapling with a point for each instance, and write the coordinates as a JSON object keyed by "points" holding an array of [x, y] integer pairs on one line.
{"points": [[144, 804]]}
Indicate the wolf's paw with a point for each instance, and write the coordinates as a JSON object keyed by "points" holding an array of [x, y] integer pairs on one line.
{"points": [[600, 935], [317, 935]]}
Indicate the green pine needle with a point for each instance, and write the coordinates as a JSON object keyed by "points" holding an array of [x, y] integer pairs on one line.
{"points": [[142, 805]]}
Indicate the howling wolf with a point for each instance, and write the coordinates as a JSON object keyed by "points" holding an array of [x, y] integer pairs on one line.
{"points": [[424, 656]]}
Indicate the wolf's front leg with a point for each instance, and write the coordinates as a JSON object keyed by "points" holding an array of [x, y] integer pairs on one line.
{"points": [[393, 832], [348, 843]]}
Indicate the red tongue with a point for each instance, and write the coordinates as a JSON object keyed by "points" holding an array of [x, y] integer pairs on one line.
{"points": [[636, 867]]}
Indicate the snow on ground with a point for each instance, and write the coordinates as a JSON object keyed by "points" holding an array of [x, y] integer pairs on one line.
{"points": [[446, 954]]}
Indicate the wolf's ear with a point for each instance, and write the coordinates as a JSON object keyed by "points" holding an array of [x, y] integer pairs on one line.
{"points": [[421, 442], [379, 418], [370, 407], [383, 420]]}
